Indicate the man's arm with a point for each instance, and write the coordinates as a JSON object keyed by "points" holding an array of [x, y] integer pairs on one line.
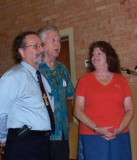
{"points": [[3, 127], [70, 98]]}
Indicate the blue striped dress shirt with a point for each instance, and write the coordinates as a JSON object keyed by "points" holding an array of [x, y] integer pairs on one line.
{"points": [[21, 100]]}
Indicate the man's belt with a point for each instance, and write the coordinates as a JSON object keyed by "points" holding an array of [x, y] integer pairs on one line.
{"points": [[31, 132]]}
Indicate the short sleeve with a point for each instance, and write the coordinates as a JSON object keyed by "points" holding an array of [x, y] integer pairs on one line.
{"points": [[81, 87], [127, 91]]}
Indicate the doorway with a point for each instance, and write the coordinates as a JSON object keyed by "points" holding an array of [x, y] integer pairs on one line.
{"points": [[67, 58]]}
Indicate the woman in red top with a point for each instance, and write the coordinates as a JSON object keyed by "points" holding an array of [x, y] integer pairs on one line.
{"points": [[103, 106]]}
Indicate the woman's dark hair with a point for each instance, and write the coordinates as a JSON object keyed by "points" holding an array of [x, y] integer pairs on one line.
{"points": [[111, 56], [19, 42]]}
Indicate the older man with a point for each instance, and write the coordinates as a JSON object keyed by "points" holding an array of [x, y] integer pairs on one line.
{"points": [[62, 89]]}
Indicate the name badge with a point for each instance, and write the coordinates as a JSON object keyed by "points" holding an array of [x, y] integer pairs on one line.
{"points": [[64, 83]]}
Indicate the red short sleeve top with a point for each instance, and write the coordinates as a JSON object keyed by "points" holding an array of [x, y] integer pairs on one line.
{"points": [[104, 104]]}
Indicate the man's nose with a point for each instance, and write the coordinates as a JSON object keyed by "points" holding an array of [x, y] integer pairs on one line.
{"points": [[40, 48], [58, 43]]}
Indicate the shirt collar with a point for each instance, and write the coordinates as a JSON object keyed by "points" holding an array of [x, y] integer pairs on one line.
{"points": [[29, 68]]}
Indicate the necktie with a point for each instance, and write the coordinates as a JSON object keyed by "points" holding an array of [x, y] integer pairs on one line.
{"points": [[45, 98]]}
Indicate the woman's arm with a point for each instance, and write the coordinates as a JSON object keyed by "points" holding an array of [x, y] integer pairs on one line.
{"points": [[129, 112], [79, 113]]}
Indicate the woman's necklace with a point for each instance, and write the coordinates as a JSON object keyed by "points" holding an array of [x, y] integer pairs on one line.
{"points": [[104, 82], [104, 79]]}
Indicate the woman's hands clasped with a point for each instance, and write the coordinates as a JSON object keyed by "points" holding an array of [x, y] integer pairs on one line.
{"points": [[107, 132]]}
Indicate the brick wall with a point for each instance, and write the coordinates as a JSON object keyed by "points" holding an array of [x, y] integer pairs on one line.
{"points": [[111, 20]]}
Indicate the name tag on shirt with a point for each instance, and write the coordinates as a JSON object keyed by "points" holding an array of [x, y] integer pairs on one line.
{"points": [[64, 83]]}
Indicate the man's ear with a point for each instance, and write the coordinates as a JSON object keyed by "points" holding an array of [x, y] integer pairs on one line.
{"points": [[21, 51]]}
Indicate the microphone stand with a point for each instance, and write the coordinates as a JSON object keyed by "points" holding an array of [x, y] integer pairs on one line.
{"points": [[129, 71]]}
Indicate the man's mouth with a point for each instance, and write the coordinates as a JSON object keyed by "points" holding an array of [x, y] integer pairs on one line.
{"points": [[40, 54], [57, 50]]}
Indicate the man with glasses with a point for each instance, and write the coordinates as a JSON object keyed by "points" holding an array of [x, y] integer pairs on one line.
{"points": [[24, 118]]}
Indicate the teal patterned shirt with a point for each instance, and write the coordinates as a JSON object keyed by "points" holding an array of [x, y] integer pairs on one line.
{"points": [[61, 88]]}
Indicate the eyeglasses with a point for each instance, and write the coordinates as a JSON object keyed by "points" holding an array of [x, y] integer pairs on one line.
{"points": [[36, 46]]}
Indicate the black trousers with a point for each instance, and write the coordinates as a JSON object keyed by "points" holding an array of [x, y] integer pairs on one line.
{"points": [[27, 147], [59, 150]]}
